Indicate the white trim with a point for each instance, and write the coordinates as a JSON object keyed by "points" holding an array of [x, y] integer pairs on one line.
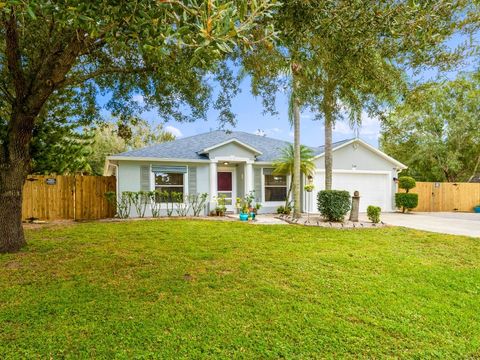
{"points": [[232, 158], [234, 185], [369, 147], [156, 159], [255, 151], [340, 171], [272, 203], [153, 186]]}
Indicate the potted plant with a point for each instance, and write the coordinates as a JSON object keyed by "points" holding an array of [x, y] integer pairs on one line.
{"points": [[221, 206], [309, 187], [244, 212], [476, 208], [243, 208], [254, 210]]}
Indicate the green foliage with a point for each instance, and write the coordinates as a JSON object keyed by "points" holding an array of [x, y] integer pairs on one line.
{"points": [[59, 144], [64, 55], [286, 210], [373, 213], [406, 183], [285, 164], [406, 201], [333, 204], [436, 130], [197, 202], [124, 205], [109, 139], [221, 205]]}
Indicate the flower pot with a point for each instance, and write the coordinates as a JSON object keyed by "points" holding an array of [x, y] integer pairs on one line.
{"points": [[252, 215], [476, 209], [243, 217]]}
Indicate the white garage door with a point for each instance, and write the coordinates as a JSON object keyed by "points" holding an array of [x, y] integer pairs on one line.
{"points": [[375, 189]]}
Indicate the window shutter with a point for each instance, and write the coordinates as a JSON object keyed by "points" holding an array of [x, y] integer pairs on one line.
{"points": [[192, 180], [257, 183], [169, 169], [145, 178]]}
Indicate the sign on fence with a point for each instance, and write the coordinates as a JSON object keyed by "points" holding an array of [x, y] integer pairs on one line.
{"points": [[67, 197]]}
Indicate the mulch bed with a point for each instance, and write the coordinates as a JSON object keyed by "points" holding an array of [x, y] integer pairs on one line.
{"points": [[320, 222]]}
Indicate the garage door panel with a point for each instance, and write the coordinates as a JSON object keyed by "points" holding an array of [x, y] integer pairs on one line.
{"points": [[374, 189]]}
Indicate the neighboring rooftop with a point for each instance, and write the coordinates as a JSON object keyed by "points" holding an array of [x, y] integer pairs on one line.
{"points": [[191, 147]]}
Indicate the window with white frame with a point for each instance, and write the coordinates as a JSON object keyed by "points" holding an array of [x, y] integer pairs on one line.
{"points": [[275, 186], [170, 186]]}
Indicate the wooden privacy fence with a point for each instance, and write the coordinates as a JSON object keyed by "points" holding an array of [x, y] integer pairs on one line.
{"points": [[55, 197], [437, 196]]}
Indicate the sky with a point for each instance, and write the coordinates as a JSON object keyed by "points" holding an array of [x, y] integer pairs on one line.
{"points": [[251, 117]]}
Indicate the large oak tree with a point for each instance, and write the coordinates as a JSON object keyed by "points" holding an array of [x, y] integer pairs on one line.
{"points": [[162, 49]]}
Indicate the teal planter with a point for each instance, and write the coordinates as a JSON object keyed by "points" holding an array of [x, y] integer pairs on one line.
{"points": [[243, 217], [477, 209], [252, 215]]}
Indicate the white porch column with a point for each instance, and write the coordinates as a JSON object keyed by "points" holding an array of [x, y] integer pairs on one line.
{"points": [[248, 177], [213, 181]]}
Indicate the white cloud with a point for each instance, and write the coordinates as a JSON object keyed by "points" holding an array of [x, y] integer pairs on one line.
{"points": [[139, 99], [272, 132], [175, 131], [370, 127]]}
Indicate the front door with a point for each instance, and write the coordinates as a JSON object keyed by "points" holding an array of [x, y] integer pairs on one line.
{"points": [[225, 188]]}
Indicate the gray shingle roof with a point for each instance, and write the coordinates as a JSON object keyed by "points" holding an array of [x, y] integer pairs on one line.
{"points": [[190, 148]]}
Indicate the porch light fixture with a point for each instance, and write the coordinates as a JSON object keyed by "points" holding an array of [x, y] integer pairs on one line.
{"points": [[310, 179], [225, 163]]}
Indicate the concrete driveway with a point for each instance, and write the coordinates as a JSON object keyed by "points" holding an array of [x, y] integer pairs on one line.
{"points": [[442, 222]]}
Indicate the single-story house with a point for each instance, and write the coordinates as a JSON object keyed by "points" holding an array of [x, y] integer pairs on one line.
{"points": [[231, 164]]}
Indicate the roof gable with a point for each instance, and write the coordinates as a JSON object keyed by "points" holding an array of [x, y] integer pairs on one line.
{"points": [[374, 150], [231, 141]]}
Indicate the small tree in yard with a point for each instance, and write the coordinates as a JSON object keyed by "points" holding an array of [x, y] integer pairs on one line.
{"points": [[406, 200], [162, 50]]}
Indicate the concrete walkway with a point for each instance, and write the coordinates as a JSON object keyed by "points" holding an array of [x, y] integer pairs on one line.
{"points": [[262, 219], [447, 223]]}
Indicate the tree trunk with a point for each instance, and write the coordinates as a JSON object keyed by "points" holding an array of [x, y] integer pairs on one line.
{"points": [[328, 115], [287, 200], [14, 163], [296, 158], [11, 230]]}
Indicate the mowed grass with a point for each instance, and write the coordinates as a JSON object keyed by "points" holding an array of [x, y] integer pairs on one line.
{"points": [[194, 289]]}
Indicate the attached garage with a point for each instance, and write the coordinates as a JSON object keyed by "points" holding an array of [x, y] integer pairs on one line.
{"points": [[357, 166], [374, 187]]}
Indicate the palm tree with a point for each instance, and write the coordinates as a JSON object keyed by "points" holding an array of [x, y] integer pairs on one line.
{"points": [[285, 166]]}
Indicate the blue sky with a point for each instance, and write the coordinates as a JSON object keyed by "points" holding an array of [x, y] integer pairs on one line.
{"points": [[250, 116]]}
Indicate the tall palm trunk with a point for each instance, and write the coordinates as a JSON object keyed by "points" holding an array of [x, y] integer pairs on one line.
{"points": [[289, 193], [296, 158], [328, 107]]}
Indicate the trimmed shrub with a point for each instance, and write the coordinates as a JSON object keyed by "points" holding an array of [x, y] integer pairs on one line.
{"points": [[286, 210], [406, 183], [406, 201], [373, 213], [333, 204]]}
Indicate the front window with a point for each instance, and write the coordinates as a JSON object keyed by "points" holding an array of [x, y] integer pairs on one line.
{"points": [[169, 187], [275, 187]]}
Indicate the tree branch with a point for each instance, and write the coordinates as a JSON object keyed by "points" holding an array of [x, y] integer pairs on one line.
{"points": [[12, 51], [74, 81]]}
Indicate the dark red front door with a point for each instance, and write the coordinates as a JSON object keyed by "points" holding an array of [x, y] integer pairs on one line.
{"points": [[224, 181]]}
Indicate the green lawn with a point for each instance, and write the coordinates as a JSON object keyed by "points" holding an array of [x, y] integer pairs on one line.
{"points": [[169, 289]]}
